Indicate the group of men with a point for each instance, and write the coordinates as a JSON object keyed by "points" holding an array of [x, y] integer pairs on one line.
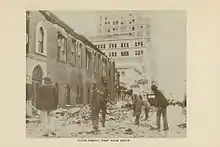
{"points": [[47, 102], [99, 102], [161, 104]]}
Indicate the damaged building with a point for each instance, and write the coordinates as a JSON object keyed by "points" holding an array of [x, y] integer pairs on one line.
{"points": [[72, 62]]}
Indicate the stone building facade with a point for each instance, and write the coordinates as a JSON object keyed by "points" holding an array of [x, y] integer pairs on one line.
{"points": [[125, 37], [69, 59]]}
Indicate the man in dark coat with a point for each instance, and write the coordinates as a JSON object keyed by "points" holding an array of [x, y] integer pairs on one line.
{"points": [[162, 104], [46, 102], [95, 107], [103, 104], [134, 99]]}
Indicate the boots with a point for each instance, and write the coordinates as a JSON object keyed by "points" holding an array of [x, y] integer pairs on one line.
{"points": [[103, 123], [137, 122]]}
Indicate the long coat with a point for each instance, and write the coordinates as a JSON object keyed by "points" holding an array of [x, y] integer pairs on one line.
{"points": [[161, 100], [96, 100], [47, 98], [138, 105]]}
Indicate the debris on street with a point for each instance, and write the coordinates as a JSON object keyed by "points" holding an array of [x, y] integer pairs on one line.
{"points": [[82, 115], [128, 131], [183, 125]]}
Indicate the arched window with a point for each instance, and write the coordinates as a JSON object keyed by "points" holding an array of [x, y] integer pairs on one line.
{"points": [[62, 47], [73, 52], [41, 40], [37, 76], [79, 52], [41, 36]]}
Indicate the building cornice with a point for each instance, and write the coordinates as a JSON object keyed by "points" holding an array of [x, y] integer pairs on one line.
{"points": [[117, 39], [49, 16]]}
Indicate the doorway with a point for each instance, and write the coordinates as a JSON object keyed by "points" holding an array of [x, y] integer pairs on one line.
{"points": [[36, 82]]}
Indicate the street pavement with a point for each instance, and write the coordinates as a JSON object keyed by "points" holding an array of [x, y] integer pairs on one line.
{"points": [[116, 128]]}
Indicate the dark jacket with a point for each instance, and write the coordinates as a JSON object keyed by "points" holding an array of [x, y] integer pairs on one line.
{"points": [[96, 99], [160, 98], [138, 106], [104, 97], [47, 98]]}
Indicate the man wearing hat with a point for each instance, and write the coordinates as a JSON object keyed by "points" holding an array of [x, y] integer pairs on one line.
{"points": [[95, 107], [162, 104], [103, 103], [46, 102]]}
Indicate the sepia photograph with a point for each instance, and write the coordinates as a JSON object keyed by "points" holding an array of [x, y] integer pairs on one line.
{"points": [[106, 74]]}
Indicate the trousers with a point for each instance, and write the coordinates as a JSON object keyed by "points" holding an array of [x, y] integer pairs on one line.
{"points": [[95, 119], [103, 108], [137, 119], [47, 120], [29, 108], [162, 111], [146, 110]]}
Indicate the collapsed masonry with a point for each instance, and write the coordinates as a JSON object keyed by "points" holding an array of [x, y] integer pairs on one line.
{"points": [[83, 115]]}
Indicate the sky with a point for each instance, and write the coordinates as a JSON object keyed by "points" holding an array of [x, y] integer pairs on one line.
{"points": [[168, 47], [83, 22]]}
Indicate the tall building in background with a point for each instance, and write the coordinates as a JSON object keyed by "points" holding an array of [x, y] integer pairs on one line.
{"points": [[125, 37]]}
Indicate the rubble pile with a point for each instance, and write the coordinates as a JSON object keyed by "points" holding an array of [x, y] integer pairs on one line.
{"points": [[126, 104], [115, 113], [64, 114], [173, 102], [83, 115]]}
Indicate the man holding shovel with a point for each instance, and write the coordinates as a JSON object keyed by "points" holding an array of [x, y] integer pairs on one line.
{"points": [[162, 104]]}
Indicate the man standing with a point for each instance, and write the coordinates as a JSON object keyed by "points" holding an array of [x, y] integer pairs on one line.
{"points": [[103, 105], [134, 100], [29, 95], [138, 109], [103, 102], [162, 104], [46, 102], [95, 107]]}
